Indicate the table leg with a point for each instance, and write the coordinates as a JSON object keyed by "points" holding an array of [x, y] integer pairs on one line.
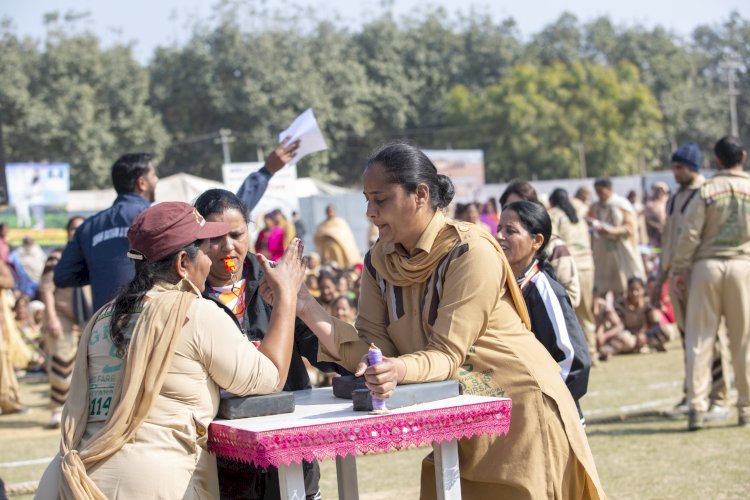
{"points": [[291, 482], [346, 475], [447, 474]]}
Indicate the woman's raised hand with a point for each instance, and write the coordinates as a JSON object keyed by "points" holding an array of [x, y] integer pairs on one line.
{"points": [[285, 277]]}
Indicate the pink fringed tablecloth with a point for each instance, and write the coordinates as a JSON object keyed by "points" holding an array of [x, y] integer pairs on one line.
{"points": [[325, 427]]}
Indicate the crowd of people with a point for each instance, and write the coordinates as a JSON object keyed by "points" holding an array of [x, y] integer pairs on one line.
{"points": [[149, 310]]}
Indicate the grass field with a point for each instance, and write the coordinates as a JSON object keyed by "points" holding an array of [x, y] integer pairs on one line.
{"points": [[637, 458]]}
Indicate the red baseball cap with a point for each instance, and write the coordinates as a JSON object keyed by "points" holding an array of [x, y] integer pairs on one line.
{"points": [[163, 229]]}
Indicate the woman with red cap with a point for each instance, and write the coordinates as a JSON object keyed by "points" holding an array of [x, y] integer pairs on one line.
{"points": [[151, 363]]}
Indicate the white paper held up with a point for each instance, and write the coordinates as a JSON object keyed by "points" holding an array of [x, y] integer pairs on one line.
{"points": [[306, 129]]}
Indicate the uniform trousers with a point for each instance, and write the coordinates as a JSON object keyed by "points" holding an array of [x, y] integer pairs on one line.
{"points": [[718, 287]]}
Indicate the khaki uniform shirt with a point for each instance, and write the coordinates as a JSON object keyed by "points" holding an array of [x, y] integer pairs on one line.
{"points": [[565, 267], [575, 235], [676, 207], [717, 222], [616, 256], [166, 459], [461, 323]]}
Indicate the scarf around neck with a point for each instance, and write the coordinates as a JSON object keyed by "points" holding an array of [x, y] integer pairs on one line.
{"points": [[404, 270]]}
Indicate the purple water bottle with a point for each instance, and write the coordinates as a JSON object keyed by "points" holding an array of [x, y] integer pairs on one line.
{"points": [[374, 356]]}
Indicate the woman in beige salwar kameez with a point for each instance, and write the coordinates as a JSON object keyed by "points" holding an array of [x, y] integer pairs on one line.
{"points": [[440, 301], [335, 241], [615, 242], [151, 363]]}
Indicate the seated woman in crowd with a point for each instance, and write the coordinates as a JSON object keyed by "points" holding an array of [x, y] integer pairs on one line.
{"points": [[151, 363], [631, 325], [233, 282], [470, 213], [328, 290], [611, 337], [524, 231], [640, 319], [440, 301], [344, 309]]}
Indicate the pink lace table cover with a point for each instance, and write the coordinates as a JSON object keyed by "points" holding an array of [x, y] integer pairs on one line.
{"points": [[373, 434]]}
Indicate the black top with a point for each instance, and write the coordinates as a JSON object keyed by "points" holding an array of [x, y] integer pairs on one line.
{"points": [[97, 254], [555, 325], [257, 316]]}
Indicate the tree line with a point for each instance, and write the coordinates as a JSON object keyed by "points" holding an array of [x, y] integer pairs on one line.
{"points": [[575, 98]]}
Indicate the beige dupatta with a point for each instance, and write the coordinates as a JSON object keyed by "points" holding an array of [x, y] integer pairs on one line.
{"points": [[10, 399], [144, 369], [338, 230], [401, 270]]}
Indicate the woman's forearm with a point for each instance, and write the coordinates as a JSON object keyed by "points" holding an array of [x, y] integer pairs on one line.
{"points": [[277, 343], [321, 324]]}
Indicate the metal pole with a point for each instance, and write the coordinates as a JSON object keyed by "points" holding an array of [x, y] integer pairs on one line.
{"points": [[225, 137], [731, 63], [733, 104], [582, 159]]}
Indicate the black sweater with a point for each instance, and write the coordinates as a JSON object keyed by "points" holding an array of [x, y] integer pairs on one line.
{"points": [[555, 325], [258, 314]]}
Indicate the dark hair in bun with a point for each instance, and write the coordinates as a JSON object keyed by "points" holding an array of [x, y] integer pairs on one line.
{"points": [[408, 166]]}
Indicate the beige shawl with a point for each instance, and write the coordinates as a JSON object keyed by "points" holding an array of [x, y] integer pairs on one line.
{"points": [[404, 271], [336, 231], [10, 399], [145, 366]]}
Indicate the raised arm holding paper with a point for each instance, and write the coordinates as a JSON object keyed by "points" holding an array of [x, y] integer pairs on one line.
{"points": [[301, 138], [305, 129]]}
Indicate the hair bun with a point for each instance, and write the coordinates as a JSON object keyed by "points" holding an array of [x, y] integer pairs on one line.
{"points": [[446, 191]]}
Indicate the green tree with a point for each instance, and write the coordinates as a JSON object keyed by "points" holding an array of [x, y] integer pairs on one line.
{"points": [[717, 46], [672, 70], [74, 102], [530, 123], [255, 84]]}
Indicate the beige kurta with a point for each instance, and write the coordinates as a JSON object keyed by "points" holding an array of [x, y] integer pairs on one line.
{"points": [[166, 458], [616, 257], [676, 207], [335, 243], [10, 399], [566, 270], [290, 232], [461, 323], [581, 208], [578, 239]]}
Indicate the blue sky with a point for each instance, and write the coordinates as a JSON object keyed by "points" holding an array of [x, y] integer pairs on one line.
{"points": [[150, 23]]}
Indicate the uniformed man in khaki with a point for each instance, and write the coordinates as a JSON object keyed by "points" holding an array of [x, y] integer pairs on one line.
{"points": [[715, 243], [686, 163]]}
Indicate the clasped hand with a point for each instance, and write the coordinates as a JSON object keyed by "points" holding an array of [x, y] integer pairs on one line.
{"points": [[284, 277], [382, 378]]}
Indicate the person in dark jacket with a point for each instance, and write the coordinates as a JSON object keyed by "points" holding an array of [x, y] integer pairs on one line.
{"points": [[97, 253], [233, 281], [524, 231]]}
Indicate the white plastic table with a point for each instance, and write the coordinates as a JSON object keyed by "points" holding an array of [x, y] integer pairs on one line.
{"points": [[325, 427]]}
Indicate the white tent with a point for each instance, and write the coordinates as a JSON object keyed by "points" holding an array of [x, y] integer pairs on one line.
{"points": [[308, 186], [183, 187], [90, 200], [186, 187]]}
